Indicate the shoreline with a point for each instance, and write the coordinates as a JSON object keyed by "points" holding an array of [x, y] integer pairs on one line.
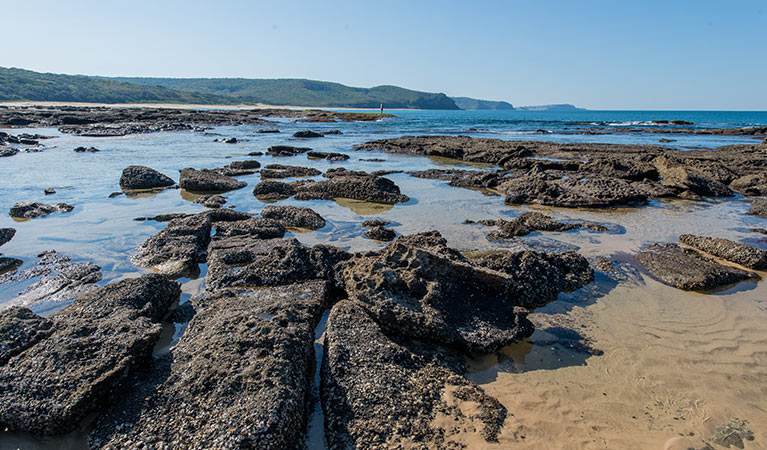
{"points": [[191, 106]]}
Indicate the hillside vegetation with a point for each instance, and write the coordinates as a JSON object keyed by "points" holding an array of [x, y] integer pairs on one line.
{"points": [[19, 85], [477, 104], [302, 92]]}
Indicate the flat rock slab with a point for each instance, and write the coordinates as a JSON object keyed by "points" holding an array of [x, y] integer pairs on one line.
{"points": [[687, 269], [286, 150], [294, 217], [283, 171], [143, 177], [525, 224], [369, 188], [57, 279], [596, 192], [419, 287], [238, 378], [60, 372], [248, 261], [208, 181], [745, 255], [31, 210], [383, 392]]}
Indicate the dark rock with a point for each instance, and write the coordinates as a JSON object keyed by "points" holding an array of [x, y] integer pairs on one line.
{"points": [[86, 150], [177, 250], [8, 152], [604, 265], [733, 434], [273, 190], [681, 122], [227, 140], [286, 150], [30, 210], [419, 287], [383, 392], [294, 217], [687, 269], [238, 168], [758, 230], [472, 179], [372, 223], [49, 191], [663, 140], [268, 130], [245, 165], [247, 261], [366, 188], [625, 169], [380, 234], [9, 264], [305, 134], [208, 181], [455, 147], [257, 227], [281, 171], [164, 217], [742, 254], [142, 177], [325, 133], [329, 156], [570, 192], [758, 208], [20, 329], [526, 223], [6, 234], [751, 185], [85, 360], [115, 194], [211, 201], [256, 154], [238, 377]]}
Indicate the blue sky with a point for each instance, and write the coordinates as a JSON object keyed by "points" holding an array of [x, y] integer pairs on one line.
{"points": [[595, 54]]}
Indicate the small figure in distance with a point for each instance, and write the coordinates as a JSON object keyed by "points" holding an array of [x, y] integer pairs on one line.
{"points": [[381, 108]]}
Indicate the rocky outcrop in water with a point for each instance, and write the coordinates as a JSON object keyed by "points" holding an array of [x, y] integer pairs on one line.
{"points": [[742, 254], [307, 134], [86, 150], [238, 378], [31, 210], [60, 369], [687, 269], [286, 150], [294, 217], [282, 171], [6, 234], [211, 201], [380, 234], [208, 181], [751, 185], [330, 156], [596, 192], [369, 188], [143, 177], [273, 190]]}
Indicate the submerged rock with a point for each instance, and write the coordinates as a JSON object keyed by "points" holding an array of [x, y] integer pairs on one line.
{"points": [[31, 210], [687, 269], [742, 254], [142, 177], [238, 377], [282, 171], [81, 361], [211, 201], [331, 156], [49, 191], [257, 227], [419, 287], [177, 250], [525, 224], [294, 217], [208, 181], [57, 279], [239, 168], [371, 223], [571, 192], [368, 188], [383, 392], [86, 150], [286, 150], [273, 190]]}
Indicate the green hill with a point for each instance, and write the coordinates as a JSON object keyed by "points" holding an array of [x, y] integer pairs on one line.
{"points": [[302, 92], [20, 85], [476, 104]]}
